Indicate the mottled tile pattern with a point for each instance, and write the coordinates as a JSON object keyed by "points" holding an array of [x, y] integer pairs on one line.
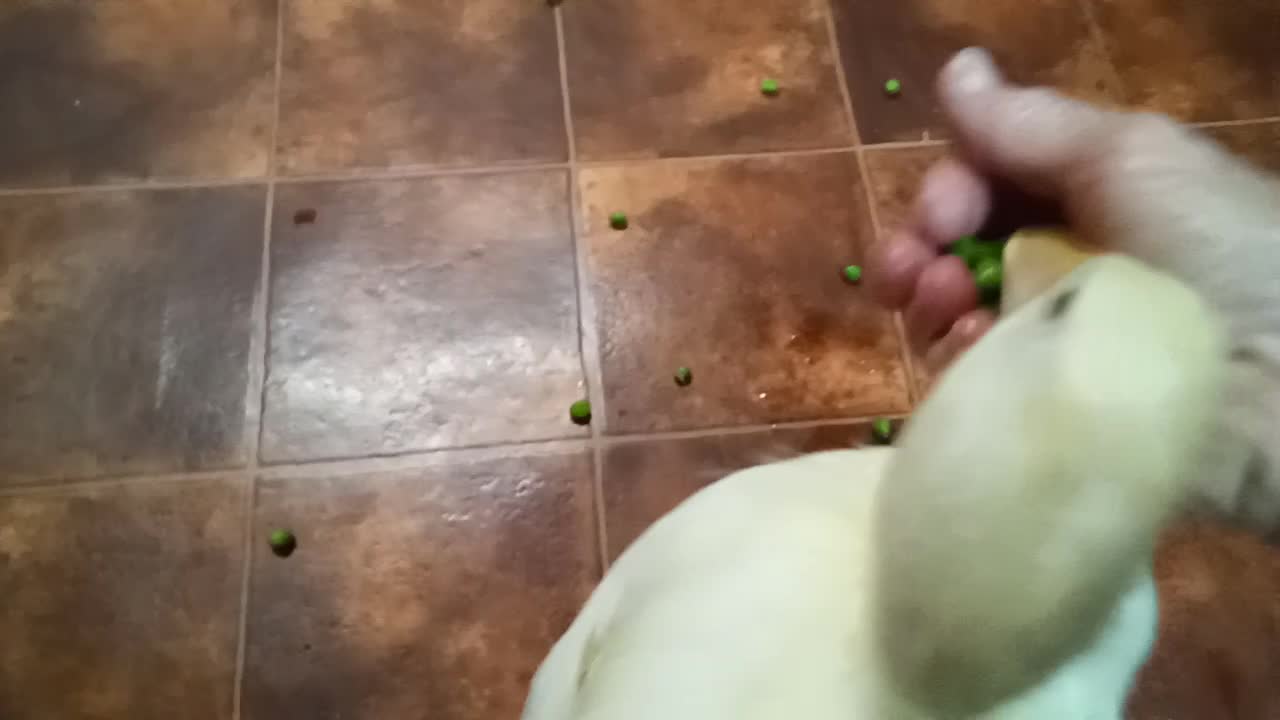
{"points": [[427, 593], [644, 480], [384, 83], [115, 90], [415, 314], [411, 314], [1041, 41], [121, 601], [732, 268], [894, 176], [1259, 144], [1218, 651], [1196, 59], [125, 329], [682, 77]]}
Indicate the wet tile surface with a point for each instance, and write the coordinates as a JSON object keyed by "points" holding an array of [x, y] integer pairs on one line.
{"points": [[732, 268], [1040, 41], [683, 78], [645, 480], [382, 83], [437, 590], [416, 314], [116, 90], [1218, 650], [121, 601], [1259, 144], [1196, 59], [125, 328]]}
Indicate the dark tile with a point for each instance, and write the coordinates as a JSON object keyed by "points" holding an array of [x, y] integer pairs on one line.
{"points": [[414, 314], [1196, 59], [382, 83], [131, 89], [646, 479], [1036, 41], [121, 601], [427, 593], [661, 78], [125, 325], [1259, 144], [1218, 651], [732, 268]]}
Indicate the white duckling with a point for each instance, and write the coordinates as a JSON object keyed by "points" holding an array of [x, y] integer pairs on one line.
{"points": [[996, 565]]}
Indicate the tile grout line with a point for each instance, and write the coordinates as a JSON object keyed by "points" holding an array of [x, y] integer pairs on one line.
{"points": [[410, 172], [833, 37], [1099, 37], [906, 144], [415, 459], [716, 157], [586, 316], [174, 184], [1236, 123], [711, 432], [261, 335]]}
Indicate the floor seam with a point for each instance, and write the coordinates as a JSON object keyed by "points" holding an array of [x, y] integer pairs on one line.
{"points": [[586, 316], [833, 36], [409, 173], [261, 333], [417, 459]]}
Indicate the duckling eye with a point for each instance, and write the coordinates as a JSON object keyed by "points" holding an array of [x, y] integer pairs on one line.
{"points": [[1062, 303]]}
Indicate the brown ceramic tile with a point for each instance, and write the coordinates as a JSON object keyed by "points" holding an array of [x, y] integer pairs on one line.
{"points": [[121, 601], [894, 176], [732, 268], [414, 314], [1218, 651], [682, 77], [1196, 59], [134, 89], [380, 83], [1039, 41], [429, 593], [644, 480], [125, 328], [1259, 144]]}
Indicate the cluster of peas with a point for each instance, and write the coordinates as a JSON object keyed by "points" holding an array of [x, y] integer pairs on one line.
{"points": [[985, 259]]}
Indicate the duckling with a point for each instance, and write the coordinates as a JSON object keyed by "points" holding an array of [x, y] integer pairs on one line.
{"points": [[995, 564]]}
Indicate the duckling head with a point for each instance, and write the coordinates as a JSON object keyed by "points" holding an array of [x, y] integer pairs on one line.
{"points": [[1024, 502]]}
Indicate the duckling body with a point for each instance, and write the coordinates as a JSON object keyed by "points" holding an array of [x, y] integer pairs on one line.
{"points": [[996, 565], [749, 601]]}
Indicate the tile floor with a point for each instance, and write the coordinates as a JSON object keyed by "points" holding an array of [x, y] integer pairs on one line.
{"points": [[341, 265]]}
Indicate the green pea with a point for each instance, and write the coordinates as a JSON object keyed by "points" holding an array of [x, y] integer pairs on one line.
{"points": [[964, 248], [282, 542], [892, 87], [989, 273], [882, 431], [618, 221], [769, 86], [580, 412], [852, 273], [683, 376]]}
